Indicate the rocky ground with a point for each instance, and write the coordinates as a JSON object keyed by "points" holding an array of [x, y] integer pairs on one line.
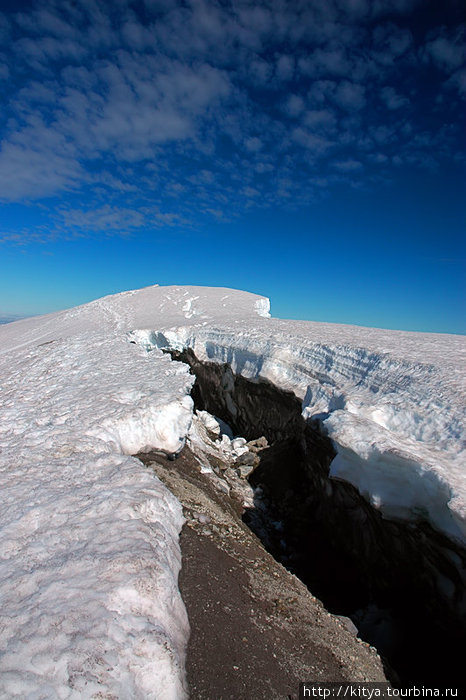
{"points": [[256, 630]]}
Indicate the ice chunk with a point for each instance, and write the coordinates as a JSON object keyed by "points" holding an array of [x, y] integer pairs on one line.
{"points": [[210, 422]]}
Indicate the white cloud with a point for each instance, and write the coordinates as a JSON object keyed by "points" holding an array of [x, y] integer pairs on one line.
{"points": [[111, 219], [378, 158], [382, 134], [257, 17], [389, 7], [262, 167], [392, 99], [348, 166], [44, 21], [320, 90], [448, 52], [101, 95], [445, 53], [126, 107], [313, 142], [137, 36], [294, 105], [259, 71], [203, 177], [253, 144], [458, 81], [350, 96], [105, 218], [346, 94], [320, 120], [355, 8], [390, 43], [25, 175], [39, 52], [250, 192], [284, 68], [328, 62]]}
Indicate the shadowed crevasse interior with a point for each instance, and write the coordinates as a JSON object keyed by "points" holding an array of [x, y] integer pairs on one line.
{"points": [[402, 583]]}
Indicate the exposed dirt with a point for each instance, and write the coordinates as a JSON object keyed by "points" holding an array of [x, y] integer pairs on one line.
{"points": [[256, 631]]}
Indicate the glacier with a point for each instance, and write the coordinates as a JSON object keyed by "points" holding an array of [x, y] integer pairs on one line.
{"points": [[89, 553], [393, 403]]}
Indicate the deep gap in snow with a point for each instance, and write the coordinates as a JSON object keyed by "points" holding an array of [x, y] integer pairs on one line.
{"points": [[398, 581]]}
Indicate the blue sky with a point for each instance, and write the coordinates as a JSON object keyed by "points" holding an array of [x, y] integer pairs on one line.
{"points": [[311, 151]]}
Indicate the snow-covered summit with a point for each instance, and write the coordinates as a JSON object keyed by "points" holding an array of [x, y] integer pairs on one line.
{"points": [[89, 553], [150, 307]]}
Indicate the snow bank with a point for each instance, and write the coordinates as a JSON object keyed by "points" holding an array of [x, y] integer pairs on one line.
{"points": [[89, 552], [89, 555]]}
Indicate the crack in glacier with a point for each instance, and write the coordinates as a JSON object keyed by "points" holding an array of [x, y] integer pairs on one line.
{"points": [[399, 581]]}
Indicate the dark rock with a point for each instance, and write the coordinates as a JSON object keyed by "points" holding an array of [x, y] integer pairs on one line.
{"points": [[247, 459], [348, 623], [258, 444], [256, 631], [244, 471]]}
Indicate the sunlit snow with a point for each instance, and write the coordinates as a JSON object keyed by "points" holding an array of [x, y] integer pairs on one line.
{"points": [[89, 553]]}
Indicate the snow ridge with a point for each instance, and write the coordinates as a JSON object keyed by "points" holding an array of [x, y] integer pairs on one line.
{"points": [[87, 536], [89, 552]]}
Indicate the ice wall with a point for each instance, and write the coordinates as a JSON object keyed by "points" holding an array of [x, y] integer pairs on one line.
{"points": [[397, 422]]}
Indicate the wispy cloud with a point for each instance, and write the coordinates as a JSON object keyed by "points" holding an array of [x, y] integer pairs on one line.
{"points": [[447, 50], [392, 99], [348, 166], [214, 107]]}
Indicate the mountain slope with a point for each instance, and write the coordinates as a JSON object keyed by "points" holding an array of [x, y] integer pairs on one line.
{"points": [[89, 539]]}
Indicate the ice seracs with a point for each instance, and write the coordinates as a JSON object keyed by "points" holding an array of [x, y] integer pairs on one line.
{"points": [[89, 553]]}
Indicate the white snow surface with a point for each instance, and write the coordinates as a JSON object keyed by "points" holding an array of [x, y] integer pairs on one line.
{"points": [[89, 553]]}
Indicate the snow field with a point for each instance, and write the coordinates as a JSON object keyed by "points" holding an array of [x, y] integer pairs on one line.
{"points": [[89, 552], [89, 540]]}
